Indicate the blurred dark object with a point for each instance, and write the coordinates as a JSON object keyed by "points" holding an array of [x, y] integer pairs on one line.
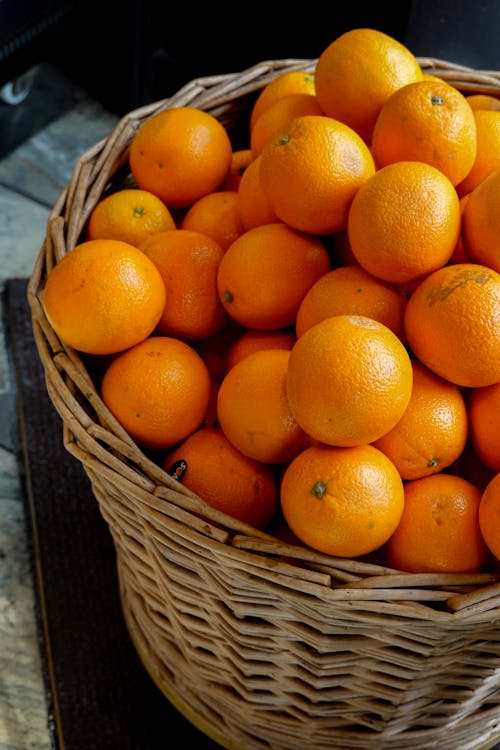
{"points": [[28, 30], [30, 33]]}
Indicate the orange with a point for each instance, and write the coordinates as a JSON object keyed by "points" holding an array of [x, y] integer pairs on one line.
{"points": [[211, 467], [431, 77], [311, 170], [358, 72], [439, 528], [188, 262], [341, 252], [459, 254], [129, 215], [428, 121], [432, 432], [404, 222], [104, 296], [285, 82], [159, 390], [254, 205], [342, 501], [180, 154], [489, 515], [487, 151], [266, 272], [216, 214], [213, 349], [278, 114], [470, 467], [240, 159], [452, 323], [284, 534], [484, 419], [253, 411], [481, 222], [350, 290], [210, 419], [349, 380], [253, 341], [483, 101]]}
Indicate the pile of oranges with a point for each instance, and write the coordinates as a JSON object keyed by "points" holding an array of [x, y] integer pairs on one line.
{"points": [[306, 331]]}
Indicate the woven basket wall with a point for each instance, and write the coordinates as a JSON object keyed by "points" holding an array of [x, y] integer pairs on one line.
{"points": [[260, 644]]}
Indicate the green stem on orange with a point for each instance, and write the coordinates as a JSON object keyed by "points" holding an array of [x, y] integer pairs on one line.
{"points": [[319, 489]]}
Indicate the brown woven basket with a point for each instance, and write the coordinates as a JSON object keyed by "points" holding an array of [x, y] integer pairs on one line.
{"points": [[264, 645]]}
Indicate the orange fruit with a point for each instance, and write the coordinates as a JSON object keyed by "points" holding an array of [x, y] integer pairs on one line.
{"points": [[188, 262], [254, 205], [213, 349], [159, 390], [428, 121], [129, 215], [439, 528], [487, 150], [483, 101], [469, 466], [342, 501], [459, 255], [266, 272], [489, 515], [452, 323], [224, 478], [278, 115], [180, 154], [284, 534], [104, 296], [240, 160], [253, 341], [216, 214], [340, 249], [253, 411], [350, 290], [431, 77], [210, 419], [311, 170], [404, 222], [481, 222], [349, 380], [484, 420], [432, 432], [285, 82], [358, 72]]}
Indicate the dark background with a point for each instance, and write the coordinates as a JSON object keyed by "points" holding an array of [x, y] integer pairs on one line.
{"points": [[133, 52], [129, 53]]}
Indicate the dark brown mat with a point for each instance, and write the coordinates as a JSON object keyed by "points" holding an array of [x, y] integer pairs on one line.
{"points": [[99, 695]]}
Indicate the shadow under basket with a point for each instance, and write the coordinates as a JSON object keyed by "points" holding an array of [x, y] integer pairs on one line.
{"points": [[261, 644]]}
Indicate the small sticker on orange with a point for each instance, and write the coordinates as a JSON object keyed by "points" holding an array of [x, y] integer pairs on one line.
{"points": [[178, 469]]}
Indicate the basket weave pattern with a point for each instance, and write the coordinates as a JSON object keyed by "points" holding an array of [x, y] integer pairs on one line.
{"points": [[264, 645]]}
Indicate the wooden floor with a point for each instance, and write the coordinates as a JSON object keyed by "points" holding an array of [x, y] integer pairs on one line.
{"points": [[40, 140]]}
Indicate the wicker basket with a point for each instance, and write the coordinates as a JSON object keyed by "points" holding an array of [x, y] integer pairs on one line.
{"points": [[260, 644]]}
